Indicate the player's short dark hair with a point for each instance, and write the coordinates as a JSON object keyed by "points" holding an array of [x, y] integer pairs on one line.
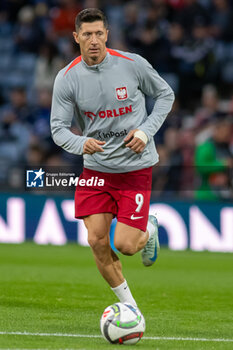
{"points": [[88, 16]]}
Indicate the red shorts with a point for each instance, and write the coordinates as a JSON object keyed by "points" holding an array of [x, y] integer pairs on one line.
{"points": [[125, 195]]}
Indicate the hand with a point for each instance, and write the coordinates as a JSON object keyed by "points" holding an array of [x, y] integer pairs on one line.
{"points": [[92, 145], [134, 143]]}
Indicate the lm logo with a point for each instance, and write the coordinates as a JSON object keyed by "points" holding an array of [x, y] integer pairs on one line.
{"points": [[35, 178]]}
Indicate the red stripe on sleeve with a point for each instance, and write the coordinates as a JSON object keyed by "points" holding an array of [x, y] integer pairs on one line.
{"points": [[115, 53], [75, 61]]}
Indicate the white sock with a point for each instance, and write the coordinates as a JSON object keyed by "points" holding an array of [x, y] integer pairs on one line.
{"points": [[123, 293], [150, 228]]}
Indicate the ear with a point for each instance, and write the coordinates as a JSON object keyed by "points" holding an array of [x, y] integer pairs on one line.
{"points": [[76, 37], [107, 35]]}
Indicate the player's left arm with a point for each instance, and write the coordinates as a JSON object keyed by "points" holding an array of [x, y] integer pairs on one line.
{"points": [[151, 84]]}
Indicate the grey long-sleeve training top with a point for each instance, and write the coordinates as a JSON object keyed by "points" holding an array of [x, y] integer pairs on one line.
{"points": [[107, 100]]}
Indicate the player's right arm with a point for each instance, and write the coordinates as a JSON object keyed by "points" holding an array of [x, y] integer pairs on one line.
{"points": [[62, 112], [92, 145]]}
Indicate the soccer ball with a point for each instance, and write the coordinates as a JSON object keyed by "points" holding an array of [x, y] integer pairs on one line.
{"points": [[122, 323]]}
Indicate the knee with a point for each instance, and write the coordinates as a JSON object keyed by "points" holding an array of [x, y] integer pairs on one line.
{"points": [[97, 241], [126, 248]]}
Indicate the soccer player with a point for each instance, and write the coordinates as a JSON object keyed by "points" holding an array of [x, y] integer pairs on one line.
{"points": [[104, 90]]}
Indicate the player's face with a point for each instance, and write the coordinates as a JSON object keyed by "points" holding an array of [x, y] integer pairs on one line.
{"points": [[92, 38]]}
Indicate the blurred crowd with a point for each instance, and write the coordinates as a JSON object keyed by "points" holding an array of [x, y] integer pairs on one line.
{"points": [[190, 44]]}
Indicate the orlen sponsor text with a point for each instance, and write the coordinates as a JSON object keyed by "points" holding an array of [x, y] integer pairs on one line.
{"points": [[109, 113]]}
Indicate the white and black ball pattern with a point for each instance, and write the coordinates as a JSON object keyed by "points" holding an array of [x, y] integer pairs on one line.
{"points": [[122, 323]]}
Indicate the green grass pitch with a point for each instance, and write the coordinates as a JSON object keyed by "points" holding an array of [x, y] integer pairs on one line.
{"points": [[53, 292]]}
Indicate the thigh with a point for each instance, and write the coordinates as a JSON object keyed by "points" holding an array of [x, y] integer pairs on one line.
{"points": [[125, 233], [98, 225]]}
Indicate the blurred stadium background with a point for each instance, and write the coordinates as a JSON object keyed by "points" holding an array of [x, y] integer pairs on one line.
{"points": [[190, 44]]}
